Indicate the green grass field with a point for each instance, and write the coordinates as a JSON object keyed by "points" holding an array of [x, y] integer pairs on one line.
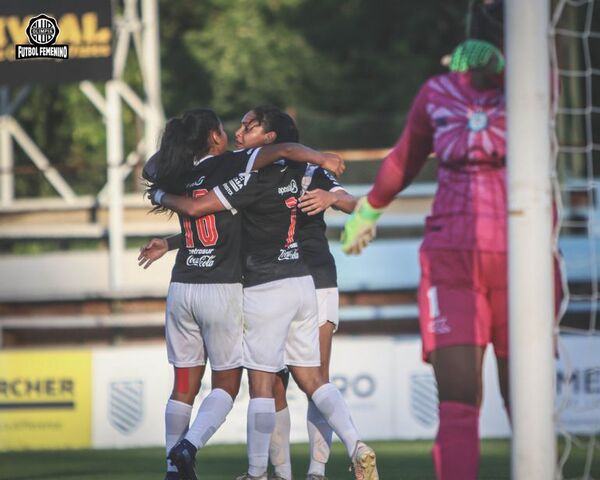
{"points": [[396, 460]]}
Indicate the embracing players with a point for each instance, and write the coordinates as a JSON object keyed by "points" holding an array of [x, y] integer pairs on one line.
{"points": [[204, 303], [279, 307]]}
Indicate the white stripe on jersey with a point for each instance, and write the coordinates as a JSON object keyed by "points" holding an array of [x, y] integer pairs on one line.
{"points": [[224, 200], [250, 165], [308, 176]]}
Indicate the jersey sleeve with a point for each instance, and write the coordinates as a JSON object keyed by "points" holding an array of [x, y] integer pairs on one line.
{"points": [[325, 181], [240, 161], [404, 162], [242, 190]]}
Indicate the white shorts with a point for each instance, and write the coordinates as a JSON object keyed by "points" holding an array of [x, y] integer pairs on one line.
{"points": [[281, 325], [328, 304], [204, 320]]}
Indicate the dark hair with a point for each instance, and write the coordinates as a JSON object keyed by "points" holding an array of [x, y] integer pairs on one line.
{"points": [[184, 140], [486, 22], [275, 120]]}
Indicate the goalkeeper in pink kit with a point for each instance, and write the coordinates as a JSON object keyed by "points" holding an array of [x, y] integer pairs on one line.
{"points": [[463, 301]]}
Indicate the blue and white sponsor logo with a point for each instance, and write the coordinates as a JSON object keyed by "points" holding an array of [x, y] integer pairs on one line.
{"points": [[126, 405]]}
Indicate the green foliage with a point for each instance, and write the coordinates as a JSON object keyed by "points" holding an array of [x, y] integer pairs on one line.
{"points": [[70, 132], [348, 68]]}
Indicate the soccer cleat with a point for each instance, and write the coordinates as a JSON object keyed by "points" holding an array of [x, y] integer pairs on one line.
{"points": [[314, 476], [172, 476], [364, 463], [183, 456], [277, 477], [247, 476]]}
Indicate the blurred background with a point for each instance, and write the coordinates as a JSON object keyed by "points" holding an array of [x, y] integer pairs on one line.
{"points": [[74, 136]]}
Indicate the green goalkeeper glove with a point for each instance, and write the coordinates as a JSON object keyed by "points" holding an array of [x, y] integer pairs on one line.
{"points": [[360, 228]]}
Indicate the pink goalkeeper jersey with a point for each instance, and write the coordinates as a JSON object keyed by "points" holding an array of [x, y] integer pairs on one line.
{"points": [[465, 128]]}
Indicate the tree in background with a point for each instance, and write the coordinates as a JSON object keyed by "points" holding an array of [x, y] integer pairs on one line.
{"points": [[347, 67]]}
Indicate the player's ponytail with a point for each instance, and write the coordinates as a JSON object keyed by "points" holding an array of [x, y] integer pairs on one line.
{"points": [[184, 140]]}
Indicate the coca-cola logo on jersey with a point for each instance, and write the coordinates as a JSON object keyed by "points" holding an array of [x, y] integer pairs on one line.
{"points": [[291, 254], [203, 262], [291, 188]]}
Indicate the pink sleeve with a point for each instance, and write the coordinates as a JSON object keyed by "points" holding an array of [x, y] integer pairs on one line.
{"points": [[407, 157]]}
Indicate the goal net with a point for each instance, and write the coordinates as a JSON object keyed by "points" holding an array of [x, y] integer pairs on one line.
{"points": [[575, 45]]}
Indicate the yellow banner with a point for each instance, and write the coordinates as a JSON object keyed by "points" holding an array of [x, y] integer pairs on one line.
{"points": [[45, 399]]}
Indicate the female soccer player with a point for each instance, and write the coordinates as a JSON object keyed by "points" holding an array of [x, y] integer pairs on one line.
{"points": [[462, 294], [204, 302], [460, 116], [279, 309], [321, 192]]}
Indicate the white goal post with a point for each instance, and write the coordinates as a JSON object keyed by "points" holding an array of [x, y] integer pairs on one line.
{"points": [[531, 302]]}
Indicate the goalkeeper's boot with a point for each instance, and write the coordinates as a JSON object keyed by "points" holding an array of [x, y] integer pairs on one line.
{"points": [[247, 476], [183, 456], [364, 462]]}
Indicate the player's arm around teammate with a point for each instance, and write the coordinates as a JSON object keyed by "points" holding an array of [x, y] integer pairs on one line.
{"points": [[316, 201], [210, 203]]}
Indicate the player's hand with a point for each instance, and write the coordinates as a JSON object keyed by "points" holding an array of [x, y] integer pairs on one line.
{"points": [[333, 163], [152, 251], [316, 201], [155, 196], [360, 228]]}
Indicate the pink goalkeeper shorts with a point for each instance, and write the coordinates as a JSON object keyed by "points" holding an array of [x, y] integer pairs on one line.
{"points": [[463, 299]]}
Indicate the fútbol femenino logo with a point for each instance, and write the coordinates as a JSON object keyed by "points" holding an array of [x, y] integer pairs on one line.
{"points": [[42, 32]]}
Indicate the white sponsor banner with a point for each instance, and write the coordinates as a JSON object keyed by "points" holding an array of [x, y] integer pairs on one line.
{"points": [[415, 395], [130, 388], [390, 391], [578, 384]]}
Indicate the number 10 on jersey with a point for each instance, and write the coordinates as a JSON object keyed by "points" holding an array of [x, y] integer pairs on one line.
{"points": [[206, 226]]}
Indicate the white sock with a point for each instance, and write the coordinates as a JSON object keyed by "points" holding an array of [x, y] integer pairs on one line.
{"points": [[177, 420], [211, 415], [261, 422], [332, 406], [319, 436], [279, 449]]}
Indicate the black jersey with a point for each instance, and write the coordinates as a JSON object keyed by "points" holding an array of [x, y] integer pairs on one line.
{"points": [[269, 199], [211, 244], [311, 231]]}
